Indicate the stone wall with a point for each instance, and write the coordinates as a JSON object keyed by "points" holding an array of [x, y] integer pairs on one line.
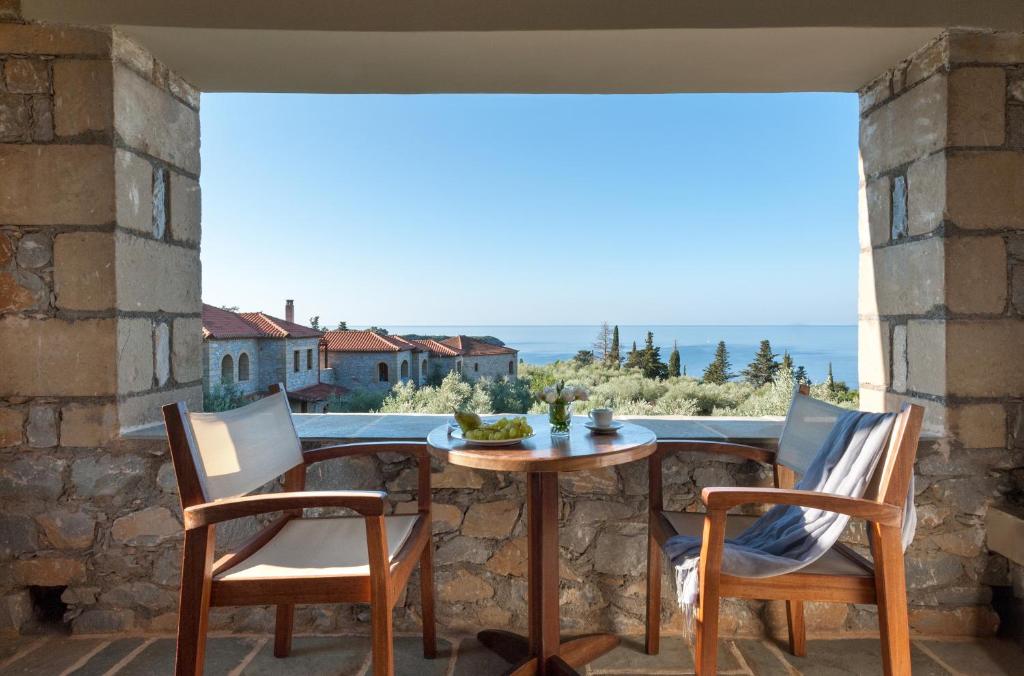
{"points": [[308, 373], [99, 313], [358, 370], [490, 366], [214, 352], [942, 299]]}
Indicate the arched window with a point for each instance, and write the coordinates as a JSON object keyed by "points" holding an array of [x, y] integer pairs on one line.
{"points": [[405, 368], [476, 367], [382, 373], [227, 370], [243, 367], [423, 369], [458, 367], [511, 368]]}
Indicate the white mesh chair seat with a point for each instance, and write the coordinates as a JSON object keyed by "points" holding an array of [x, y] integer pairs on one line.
{"points": [[244, 448], [833, 563], [326, 547]]}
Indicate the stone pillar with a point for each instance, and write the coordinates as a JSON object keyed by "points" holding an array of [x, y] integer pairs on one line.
{"points": [[942, 298], [99, 303]]}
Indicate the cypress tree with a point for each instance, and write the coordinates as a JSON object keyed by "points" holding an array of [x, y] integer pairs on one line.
{"points": [[830, 382], [762, 370], [650, 360], [673, 360], [614, 358], [787, 362], [717, 372], [633, 358]]}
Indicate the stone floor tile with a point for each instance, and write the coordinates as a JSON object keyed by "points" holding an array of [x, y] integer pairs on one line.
{"points": [[9, 646], [674, 657], [855, 656], [987, 656], [473, 659], [409, 657], [110, 655], [761, 659], [314, 656], [222, 655], [57, 655]]}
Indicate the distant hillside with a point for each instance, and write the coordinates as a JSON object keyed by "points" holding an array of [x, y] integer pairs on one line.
{"points": [[483, 339]]}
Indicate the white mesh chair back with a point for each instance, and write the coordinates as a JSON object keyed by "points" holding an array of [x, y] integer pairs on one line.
{"points": [[242, 449], [808, 423]]}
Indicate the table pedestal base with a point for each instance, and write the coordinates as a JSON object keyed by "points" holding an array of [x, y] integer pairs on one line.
{"points": [[572, 654]]}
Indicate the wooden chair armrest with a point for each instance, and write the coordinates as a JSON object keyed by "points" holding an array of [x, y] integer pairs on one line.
{"points": [[417, 449], [367, 503], [766, 456], [723, 498]]}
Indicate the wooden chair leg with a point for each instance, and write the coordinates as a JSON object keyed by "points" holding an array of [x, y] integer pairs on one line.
{"points": [[891, 588], [194, 601], [710, 569], [283, 629], [383, 640], [797, 628], [654, 555], [706, 648], [427, 601]]}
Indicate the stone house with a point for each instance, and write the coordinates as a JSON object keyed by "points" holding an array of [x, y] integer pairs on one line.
{"points": [[253, 350], [481, 359], [367, 360]]}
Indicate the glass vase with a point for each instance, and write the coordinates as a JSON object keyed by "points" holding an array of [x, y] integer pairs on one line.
{"points": [[560, 417]]}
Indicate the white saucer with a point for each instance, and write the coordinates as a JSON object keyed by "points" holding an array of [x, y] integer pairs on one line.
{"points": [[611, 429]]}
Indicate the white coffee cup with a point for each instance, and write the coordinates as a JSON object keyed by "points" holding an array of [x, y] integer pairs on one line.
{"points": [[602, 417]]}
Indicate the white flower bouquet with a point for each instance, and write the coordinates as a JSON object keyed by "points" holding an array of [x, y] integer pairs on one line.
{"points": [[559, 399]]}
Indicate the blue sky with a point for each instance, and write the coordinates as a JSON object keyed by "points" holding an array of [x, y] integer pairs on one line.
{"points": [[495, 209]]}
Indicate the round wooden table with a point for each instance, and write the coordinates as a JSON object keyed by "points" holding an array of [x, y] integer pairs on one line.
{"points": [[542, 458]]}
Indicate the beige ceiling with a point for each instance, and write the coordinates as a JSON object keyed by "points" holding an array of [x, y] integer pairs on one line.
{"points": [[542, 46]]}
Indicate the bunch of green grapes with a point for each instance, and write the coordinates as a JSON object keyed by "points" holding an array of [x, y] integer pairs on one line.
{"points": [[505, 428]]}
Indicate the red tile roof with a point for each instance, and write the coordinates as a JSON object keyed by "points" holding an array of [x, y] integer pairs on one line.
{"points": [[437, 349], [471, 347], [279, 328], [220, 323], [410, 345], [367, 341], [318, 392]]}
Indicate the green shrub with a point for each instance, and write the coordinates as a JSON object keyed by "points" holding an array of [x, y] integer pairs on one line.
{"points": [[223, 397], [359, 401]]}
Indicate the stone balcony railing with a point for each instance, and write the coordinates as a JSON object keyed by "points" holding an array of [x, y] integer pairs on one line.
{"points": [[480, 531]]}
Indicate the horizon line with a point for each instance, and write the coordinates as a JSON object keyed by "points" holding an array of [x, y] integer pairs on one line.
{"points": [[385, 325]]}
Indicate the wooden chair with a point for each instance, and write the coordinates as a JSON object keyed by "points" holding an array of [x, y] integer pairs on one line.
{"points": [[841, 576], [221, 457]]}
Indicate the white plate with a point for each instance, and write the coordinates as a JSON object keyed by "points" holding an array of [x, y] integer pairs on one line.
{"points": [[611, 429], [457, 434]]}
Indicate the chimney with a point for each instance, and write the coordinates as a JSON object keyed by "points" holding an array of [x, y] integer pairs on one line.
{"points": [[289, 310]]}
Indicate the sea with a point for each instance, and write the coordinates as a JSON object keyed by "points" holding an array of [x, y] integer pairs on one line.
{"points": [[813, 347]]}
